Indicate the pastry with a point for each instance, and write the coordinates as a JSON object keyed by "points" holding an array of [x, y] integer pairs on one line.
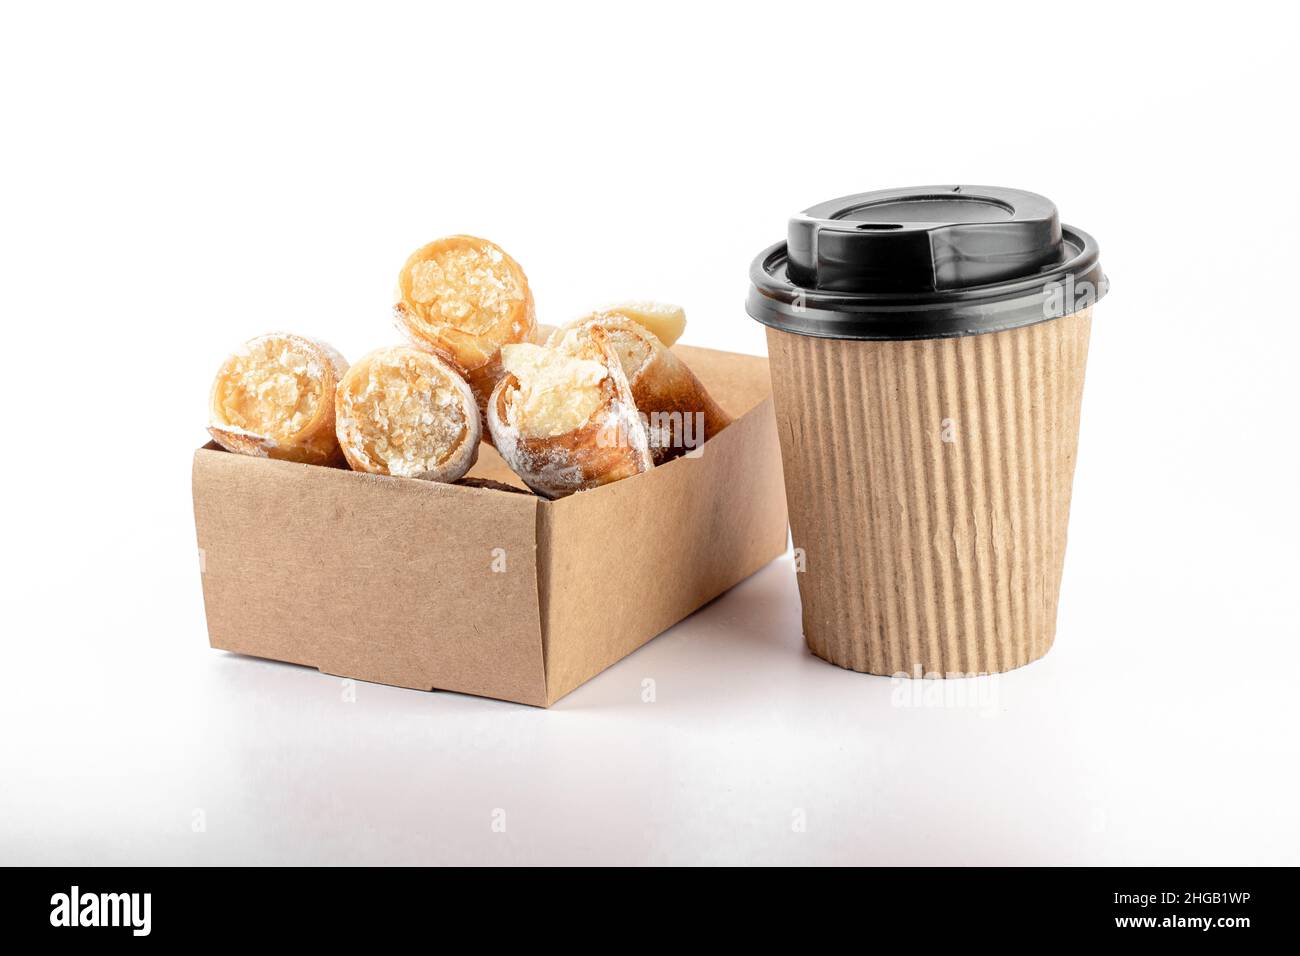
{"points": [[274, 398], [566, 422], [667, 322], [541, 332], [405, 412], [679, 412], [464, 298]]}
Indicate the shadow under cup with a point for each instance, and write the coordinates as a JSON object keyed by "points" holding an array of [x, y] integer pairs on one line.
{"points": [[927, 434]]}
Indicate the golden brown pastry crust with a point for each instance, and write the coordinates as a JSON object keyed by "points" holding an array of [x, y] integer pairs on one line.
{"points": [[482, 382], [664, 389], [406, 412], [313, 442], [610, 446], [465, 314], [501, 309]]}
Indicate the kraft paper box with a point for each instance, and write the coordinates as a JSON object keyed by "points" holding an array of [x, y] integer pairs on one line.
{"points": [[486, 590]]}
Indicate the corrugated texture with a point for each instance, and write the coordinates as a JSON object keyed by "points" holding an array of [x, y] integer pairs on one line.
{"points": [[929, 486]]}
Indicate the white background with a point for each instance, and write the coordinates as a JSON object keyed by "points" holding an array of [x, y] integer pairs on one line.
{"points": [[176, 178]]}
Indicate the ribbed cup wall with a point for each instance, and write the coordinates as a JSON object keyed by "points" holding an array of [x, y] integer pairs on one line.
{"points": [[928, 485]]}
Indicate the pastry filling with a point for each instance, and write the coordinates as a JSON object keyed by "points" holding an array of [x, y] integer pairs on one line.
{"points": [[272, 388], [633, 351], [666, 322], [557, 393], [405, 415], [468, 288]]}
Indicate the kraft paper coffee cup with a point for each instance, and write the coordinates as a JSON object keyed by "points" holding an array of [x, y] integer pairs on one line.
{"points": [[927, 350]]}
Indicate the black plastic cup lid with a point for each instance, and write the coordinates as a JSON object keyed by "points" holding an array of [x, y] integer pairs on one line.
{"points": [[925, 262]]}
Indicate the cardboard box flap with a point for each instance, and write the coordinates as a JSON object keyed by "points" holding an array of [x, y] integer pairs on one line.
{"points": [[381, 579], [737, 382]]}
